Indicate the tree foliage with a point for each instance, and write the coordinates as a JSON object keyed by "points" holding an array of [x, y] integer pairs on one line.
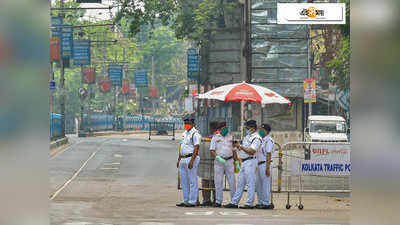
{"points": [[190, 19]]}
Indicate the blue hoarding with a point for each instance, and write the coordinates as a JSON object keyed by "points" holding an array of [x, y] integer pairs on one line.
{"points": [[56, 22], [81, 52], [141, 79], [66, 41], [193, 63], [115, 75]]}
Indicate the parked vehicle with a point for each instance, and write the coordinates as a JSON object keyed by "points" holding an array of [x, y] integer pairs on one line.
{"points": [[326, 129]]}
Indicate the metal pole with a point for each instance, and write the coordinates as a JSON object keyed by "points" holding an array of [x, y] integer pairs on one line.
{"points": [[152, 80], [309, 65], [62, 82], [124, 107], [51, 74]]}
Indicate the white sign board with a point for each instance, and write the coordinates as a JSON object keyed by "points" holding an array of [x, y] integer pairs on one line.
{"points": [[321, 167], [311, 13], [189, 104], [326, 160], [333, 152]]}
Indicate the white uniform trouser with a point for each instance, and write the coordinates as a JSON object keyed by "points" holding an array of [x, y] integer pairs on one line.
{"points": [[189, 180], [263, 184], [247, 176], [219, 170]]}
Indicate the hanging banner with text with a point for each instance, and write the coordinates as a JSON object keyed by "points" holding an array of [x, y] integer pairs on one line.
{"points": [[125, 86], [132, 92], [56, 22], [141, 79], [153, 91], [115, 75], [81, 52], [104, 84], [310, 91], [54, 49], [192, 63], [66, 41], [89, 75]]}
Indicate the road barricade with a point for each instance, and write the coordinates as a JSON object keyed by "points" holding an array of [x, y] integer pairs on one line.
{"points": [[313, 167]]}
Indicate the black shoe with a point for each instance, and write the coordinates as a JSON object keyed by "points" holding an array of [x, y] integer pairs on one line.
{"points": [[208, 203], [247, 207], [268, 207], [190, 205], [258, 206], [217, 205], [181, 204], [231, 206]]}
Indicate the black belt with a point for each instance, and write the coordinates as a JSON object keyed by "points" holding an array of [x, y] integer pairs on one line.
{"points": [[187, 156], [243, 160], [228, 158], [262, 162]]}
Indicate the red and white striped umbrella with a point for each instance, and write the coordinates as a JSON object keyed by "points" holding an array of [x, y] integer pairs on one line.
{"points": [[245, 92]]}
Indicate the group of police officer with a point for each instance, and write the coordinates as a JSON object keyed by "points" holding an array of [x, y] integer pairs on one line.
{"points": [[254, 151]]}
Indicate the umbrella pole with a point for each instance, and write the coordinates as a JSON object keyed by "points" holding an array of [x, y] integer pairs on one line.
{"points": [[241, 119]]}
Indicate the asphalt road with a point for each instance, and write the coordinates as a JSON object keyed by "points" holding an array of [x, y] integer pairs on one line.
{"points": [[123, 180]]}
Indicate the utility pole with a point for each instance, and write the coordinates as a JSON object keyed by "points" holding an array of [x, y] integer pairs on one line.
{"points": [[62, 82], [309, 64], [51, 73], [153, 82], [124, 77]]}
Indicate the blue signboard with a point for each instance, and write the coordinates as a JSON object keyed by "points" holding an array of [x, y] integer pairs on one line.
{"points": [[66, 41], [81, 52], [52, 85], [141, 79], [193, 63], [115, 75], [56, 22]]}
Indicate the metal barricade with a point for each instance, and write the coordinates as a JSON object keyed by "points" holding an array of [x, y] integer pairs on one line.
{"points": [[161, 128], [295, 160]]}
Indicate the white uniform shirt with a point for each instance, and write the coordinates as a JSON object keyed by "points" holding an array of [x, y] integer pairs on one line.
{"points": [[222, 145], [253, 141], [266, 147], [188, 143]]}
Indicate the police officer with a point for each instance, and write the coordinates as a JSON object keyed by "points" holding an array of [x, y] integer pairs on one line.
{"points": [[247, 175], [264, 168], [188, 162], [221, 148]]}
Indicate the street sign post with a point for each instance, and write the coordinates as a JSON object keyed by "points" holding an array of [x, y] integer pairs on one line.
{"points": [[141, 80], [81, 52], [193, 63], [66, 40], [115, 75], [52, 85]]}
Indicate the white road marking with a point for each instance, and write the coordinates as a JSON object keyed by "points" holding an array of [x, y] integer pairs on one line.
{"points": [[73, 177], [155, 223], [110, 168], [124, 140], [206, 213], [117, 156], [86, 223], [233, 213], [112, 164], [234, 224]]}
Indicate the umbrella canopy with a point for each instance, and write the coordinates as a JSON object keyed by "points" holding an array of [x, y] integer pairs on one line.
{"points": [[244, 92]]}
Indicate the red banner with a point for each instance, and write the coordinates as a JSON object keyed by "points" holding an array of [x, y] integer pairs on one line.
{"points": [[153, 91], [132, 92], [89, 75], [104, 84], [54, 49], [125, 86]]}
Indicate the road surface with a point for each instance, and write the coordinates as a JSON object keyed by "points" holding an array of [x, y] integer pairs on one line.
{"points": [[124, 180]]}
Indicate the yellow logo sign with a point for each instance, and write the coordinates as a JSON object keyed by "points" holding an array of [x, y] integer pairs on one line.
{"points": [[312, 12]]}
